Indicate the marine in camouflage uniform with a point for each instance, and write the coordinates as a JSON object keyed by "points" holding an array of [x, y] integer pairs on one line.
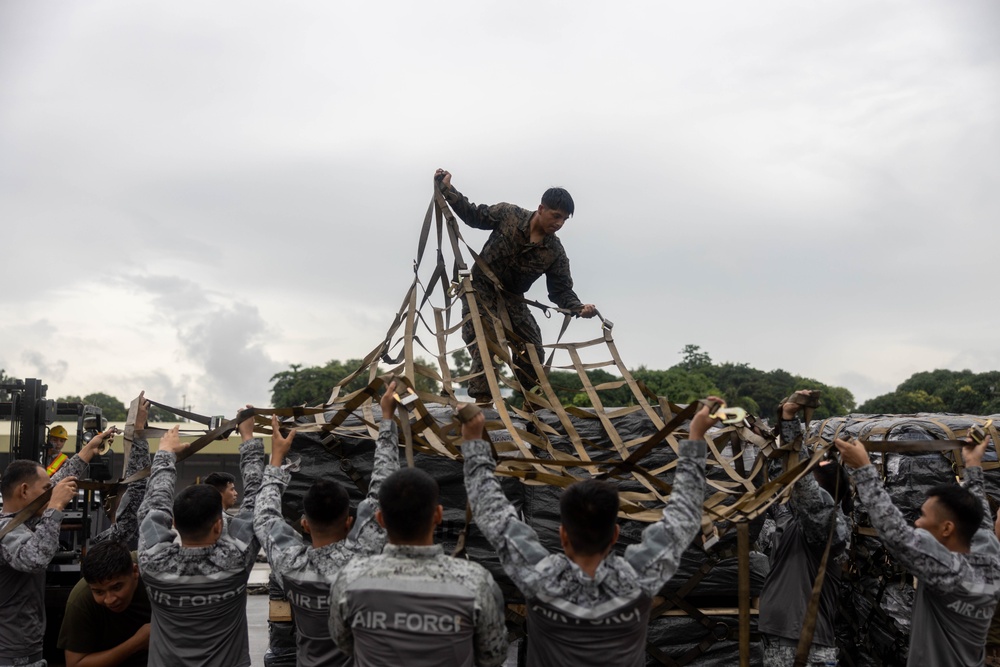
{"points": [[415, 606], [517, 262], [803, 526], [198, 594], [25, 553], [575, 619], [304, 572], [956, 592]]}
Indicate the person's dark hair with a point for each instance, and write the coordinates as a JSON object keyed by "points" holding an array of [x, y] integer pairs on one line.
{"points": [[196, 509], [18, 472], [325, 503], [589, 511], [408, 498], [105, 561], [834, 480], [558, 199], [220, 480], [962, 507]]}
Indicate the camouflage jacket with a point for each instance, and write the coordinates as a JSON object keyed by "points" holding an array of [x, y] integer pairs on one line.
{"points": [[573, 616], [304, 572], [125, 529], [25, 553], [198, 594], [415, 601], [800, 537], [510, 254], [956, 592]]}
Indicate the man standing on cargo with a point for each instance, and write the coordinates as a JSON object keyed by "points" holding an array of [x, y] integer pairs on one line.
{"points": [[522, 247], [588, 603], [952, 551], [197, 585]]}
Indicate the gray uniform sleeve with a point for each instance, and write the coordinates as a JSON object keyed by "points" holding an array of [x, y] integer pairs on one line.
{"points": [[156, 513], [126, 526], [367, 536], [282, 543], [516, 543], [917, 550], [813, 506], [252, 471], [490, 637], [658, 554], [75, 467], [985, 538], [340, 627], [31, 551]]}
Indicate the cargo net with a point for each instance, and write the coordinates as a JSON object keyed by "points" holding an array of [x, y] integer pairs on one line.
{"points": [[543, 442]]}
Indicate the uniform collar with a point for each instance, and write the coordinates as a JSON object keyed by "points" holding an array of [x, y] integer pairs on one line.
{"points": [[408, 551]]}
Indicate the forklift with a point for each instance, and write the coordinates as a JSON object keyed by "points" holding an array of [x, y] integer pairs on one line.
{"points": [[30, 414]]}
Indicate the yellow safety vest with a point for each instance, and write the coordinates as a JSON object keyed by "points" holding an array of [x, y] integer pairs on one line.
{"points": [[56, 464]]}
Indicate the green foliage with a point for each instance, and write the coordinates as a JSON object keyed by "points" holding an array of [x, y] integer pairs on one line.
{"points": [[112, 409], [692, 358], [312, 385], [677, 384], [962, 392]]}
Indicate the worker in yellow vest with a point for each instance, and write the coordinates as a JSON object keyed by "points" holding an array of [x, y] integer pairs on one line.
{"points": [[54, 458]]}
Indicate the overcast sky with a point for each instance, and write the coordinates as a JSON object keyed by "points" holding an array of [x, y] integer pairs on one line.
{"points": [[195, 195]]}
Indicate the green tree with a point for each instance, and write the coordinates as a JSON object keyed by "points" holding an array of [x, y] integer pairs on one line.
{"points": [[112, 409], [692, 358], [312, 385], [941, 390]]}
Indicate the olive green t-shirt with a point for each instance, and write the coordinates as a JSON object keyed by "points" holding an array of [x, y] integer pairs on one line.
{"points": [[89, 627]]}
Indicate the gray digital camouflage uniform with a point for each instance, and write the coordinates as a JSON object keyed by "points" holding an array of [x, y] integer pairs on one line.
{"points": [[305, 573], [25, 553], [956, 592], [125, 529], [198, 594], [517, 263], [803, 526], [575, 619], [414, 606]]}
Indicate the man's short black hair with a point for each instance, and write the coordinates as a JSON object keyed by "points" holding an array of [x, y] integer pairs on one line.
{"points": [[589, 512], [105, 561], [18, 472], [558, 199], [326, 501], [962, 507], [833, 479], [408, 498], [220, 480], [196, 509]]}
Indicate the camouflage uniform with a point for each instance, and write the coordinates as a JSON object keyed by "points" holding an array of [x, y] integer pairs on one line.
{"points": [[517, 263], [575, 619], [956, 592], [304, 572], [413, 605], [198, 594], [802, 531], [125, 529], [25, 553]]}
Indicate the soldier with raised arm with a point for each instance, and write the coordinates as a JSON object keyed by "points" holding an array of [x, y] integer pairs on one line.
{"points": [[198, 584], [305, 571], [522, 247], [951, 550], [27, 550], [587, 604], [799, 540]]}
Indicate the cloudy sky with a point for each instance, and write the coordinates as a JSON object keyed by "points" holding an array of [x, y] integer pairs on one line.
{"points": [[195, 195]]}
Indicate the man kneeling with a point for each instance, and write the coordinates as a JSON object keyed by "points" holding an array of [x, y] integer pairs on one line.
{"points": [[107, 616]]}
